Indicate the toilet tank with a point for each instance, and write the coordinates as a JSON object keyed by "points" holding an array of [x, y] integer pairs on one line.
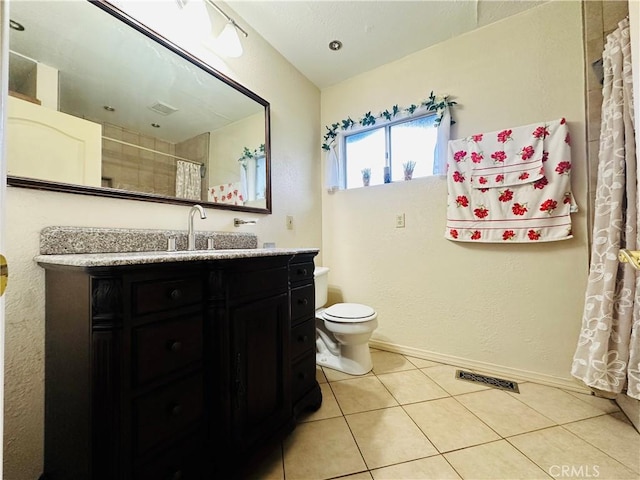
{"points": [[321, 280]]}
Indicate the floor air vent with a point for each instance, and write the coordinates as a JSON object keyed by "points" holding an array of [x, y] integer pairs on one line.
{"points": [[508, 385]]}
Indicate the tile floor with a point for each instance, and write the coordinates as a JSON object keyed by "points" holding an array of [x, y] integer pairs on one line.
{"points": [[411, 419]]}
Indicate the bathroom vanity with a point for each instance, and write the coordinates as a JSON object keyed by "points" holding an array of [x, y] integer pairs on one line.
{"points": [[175, 365]]}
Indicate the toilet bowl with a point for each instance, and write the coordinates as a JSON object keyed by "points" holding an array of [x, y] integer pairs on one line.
{"points": [[342, 331]]}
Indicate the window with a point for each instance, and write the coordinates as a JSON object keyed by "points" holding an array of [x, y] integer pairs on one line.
{"points": [[388, 147]]}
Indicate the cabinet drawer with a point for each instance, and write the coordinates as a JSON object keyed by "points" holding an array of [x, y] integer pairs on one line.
{"points": [[303, 338], [303, 375], [301, 272], [182, 461], [166, 412], [155, 296], [303, 302], [161, 348], [258, 283]]}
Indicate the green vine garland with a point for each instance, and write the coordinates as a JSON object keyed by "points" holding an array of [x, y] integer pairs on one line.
{"points": [[248, 154], [433, 104]]}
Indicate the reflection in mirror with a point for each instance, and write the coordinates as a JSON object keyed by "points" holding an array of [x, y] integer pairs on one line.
{"points": [[100, 105]]}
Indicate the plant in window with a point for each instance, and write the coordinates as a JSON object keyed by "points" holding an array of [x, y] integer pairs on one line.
{"points": [[408, 169], [366, 176]]}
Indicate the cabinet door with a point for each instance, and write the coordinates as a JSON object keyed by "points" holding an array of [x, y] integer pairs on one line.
{"points": [[260, 364]]}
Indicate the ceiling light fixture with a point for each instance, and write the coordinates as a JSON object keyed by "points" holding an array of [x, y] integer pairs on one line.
{"points": [[228, 41], [335, 45]]}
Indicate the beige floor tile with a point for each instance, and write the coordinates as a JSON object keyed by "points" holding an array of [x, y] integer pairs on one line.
{"points": [[358, 476], [328, 409], [271, 468], [320, 376], [604, 404], [422, 363], [614, 435], [563, 454], [321, 450], [436, 468], [554, 403], [388, 436], [445, 376], [335, 376], [385, 362], [503, 413], [362, 394], [411, 386], [449, 425], [493, 461]]}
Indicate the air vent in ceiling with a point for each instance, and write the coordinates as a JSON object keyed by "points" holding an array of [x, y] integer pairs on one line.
{"points": [[163, 108]]}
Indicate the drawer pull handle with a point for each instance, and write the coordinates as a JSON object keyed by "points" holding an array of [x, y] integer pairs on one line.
{"points": [[302, 271], [174, 346], [302, 376], [175, 409], [303, 338], [303, 301], [175, 294]]}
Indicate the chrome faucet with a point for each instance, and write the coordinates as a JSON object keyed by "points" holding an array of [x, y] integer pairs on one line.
{"points": [[191, 240]]}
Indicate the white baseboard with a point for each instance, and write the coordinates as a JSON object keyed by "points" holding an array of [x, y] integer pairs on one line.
{"points": [[500, 371]]}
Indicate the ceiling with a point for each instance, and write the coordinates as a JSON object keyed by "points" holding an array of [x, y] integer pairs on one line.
{"points": [[103, 62], [373, 32]]}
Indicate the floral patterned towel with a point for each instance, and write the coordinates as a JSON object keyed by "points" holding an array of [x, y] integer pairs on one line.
{"points": [[511, 186], [227, 193]]}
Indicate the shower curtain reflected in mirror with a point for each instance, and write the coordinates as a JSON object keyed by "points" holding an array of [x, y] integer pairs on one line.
{"points": [[607, 357], [188, 180]]}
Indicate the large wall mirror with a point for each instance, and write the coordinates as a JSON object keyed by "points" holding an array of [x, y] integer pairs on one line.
{"points": [[101, 105]]}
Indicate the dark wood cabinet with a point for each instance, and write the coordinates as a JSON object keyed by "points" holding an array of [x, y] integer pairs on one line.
{"points": [[175, 370], [304, 387]]}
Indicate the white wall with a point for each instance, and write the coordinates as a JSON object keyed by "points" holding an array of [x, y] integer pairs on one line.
{"points": [[509, 309], [295, 113]]}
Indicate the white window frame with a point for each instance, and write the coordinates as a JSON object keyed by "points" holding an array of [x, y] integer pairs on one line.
{"points": [[386, 125]]}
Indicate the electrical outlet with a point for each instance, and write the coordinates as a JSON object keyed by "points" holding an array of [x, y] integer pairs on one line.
{"points": [[400, 220], [289, 222]]}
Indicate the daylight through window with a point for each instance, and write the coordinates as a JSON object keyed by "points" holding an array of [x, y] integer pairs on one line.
{"points": [[390, 149]]}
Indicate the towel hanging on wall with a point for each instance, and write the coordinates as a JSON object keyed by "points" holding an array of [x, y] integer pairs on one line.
{"points": [[511, 185]]}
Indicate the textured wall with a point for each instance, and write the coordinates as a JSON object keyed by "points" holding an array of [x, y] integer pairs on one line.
{"points": [[296, 168], [513, 308]]}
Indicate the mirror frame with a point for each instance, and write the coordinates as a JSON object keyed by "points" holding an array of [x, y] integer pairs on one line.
{"points": [[111, 9]]}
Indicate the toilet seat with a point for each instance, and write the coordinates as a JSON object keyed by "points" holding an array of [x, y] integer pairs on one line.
{"points": [[349, 313]]}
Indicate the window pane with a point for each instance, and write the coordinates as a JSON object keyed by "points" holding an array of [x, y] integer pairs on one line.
{"points": [[413, 141], [365, 150]]}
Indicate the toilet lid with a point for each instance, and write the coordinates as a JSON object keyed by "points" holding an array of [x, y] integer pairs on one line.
{"points": [[349, 312]]}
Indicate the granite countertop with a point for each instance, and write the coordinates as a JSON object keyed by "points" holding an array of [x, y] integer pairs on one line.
{"points": [[139, 258], [107, 247]]}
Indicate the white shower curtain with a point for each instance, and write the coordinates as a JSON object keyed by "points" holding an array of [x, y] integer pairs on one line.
{"points": [[188, 180], [607, 357]]}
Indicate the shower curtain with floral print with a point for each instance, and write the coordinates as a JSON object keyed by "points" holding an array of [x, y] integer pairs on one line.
{"points": [[607, 357]]}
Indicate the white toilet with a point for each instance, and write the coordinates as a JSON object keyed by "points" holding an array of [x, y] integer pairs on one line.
{"points": [[342, 331]]}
